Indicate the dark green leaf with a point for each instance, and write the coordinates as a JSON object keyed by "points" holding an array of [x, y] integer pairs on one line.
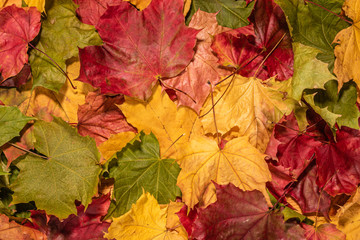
{"points": [[139, 166]]}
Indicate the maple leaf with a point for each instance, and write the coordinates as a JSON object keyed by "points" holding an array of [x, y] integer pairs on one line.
{"points": [[338, 162], [241, 215], [46, 181], [347, 49], [159, 115], [204, 67], [265, 45], [249, 104], [343, 104], [202, 161], [314, 24], [131, 61], [325, 231], [90, 11], [70, 34], [139, 167], [231, 13], [348, 216], [115, 143], [85, 225], [12, 230], [295, 149], [18, 28], [309, 72], [99, 117], [140, 223], [11, 123]]}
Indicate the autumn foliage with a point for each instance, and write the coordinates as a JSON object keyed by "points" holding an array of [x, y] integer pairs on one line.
{"points": [[195, 119]]}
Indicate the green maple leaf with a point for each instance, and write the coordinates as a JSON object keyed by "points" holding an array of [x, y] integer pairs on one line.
{"points": [[309, 72], [11, 123], [70, 173], [61, 35], [232, 13], [313, 26], [139, 166], [329, 101]]}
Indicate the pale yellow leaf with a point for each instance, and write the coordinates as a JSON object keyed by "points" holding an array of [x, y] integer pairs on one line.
{"points": [[202, 162], [115, 143], [347, 50], [146, 220], [39, 4], [171, 125], [250, 105]]}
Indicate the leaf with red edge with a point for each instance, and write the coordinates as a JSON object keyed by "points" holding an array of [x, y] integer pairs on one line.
{"points": [[86, 225], [18, 27], [90, 11], [241, 215], [325, 231], [139, 48], [339, 162], [99, 117], [267, 39], [204, 67]]}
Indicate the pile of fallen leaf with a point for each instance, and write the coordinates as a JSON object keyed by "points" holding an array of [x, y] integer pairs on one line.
{"points": [[195, 119]]}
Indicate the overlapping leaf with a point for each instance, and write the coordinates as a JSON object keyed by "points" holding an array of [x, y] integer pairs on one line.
{"points": [[100, 118], [203, 68], [148, 45], [159, 115], [139, 167], [241, 215], [231, 13], [70, 34], [11, 123], [140, 223], [249, 104], [71, 161], [202, 161], [18, 27]]}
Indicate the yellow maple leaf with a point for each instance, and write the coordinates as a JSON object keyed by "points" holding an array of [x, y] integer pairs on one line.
{"points": [[115, 143], [145, 220], [202, 162], [171, 125], [142, 4], [250, 105], [39, 4], [347, 218], [347, 51]]}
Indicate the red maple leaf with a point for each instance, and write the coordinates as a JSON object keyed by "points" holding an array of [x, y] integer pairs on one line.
{"points": [[18, 26], [99, 117], [339, 162], [90, 11], [86, 225], [241, 214], [139, 48], [263, 49], [325, 231]]}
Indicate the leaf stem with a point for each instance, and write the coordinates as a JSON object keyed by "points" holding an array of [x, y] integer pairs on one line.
{"points": [[213, 110], [176, 89], [72, 85], [28, 151], [341, 17], [268, 55]]}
